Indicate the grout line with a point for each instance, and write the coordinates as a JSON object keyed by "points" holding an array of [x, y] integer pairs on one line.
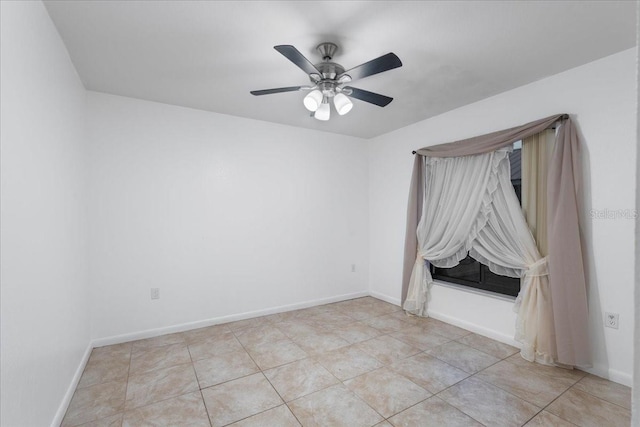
{"points": [[360, 398], [550, 403], [206, 410], [466, 378], [293, 413], [126, 389], [195, 373], [597, 397], [228, 381], [269, 381], [408, 407], [533, 416], [284, 402], [170, 397]]}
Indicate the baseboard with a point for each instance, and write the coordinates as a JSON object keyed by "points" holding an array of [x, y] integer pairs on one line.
{"points": [[489, 333], [62, 409], [150, 333], [620, 377], [610, 374], [383, 297]]}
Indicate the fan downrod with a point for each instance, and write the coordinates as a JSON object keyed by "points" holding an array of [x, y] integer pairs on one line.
{"points": [[327, 50]]}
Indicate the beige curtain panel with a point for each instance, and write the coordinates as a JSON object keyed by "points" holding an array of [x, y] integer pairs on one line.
{"points": [[536, 157], [567, 282]]}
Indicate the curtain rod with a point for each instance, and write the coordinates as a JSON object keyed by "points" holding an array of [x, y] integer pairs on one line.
{"points": [[562, 117]]}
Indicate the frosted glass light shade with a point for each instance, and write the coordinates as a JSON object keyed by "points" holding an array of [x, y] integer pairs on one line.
{"points": [[342, 103], [323, 112], [313, 100]]}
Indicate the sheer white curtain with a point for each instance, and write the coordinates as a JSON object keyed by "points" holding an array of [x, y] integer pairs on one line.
{"points": [[469, 206], [457, 199]]}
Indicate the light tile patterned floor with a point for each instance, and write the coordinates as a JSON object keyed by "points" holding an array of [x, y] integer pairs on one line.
{"points": [[361, 362]]}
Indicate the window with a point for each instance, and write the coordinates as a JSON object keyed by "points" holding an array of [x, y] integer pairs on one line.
{"points": [[475, 275]]}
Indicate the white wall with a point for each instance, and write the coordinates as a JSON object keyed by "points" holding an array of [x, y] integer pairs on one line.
{"points": [[601, 96], [44, 295], [225, 215], [635, 402]]}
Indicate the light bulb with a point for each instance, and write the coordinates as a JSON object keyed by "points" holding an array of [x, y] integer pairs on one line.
{"points": [[342, 103], [323, 112], [313, 100]]}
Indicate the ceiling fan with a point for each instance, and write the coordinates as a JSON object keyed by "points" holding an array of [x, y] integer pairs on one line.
{"points": [[329, 80]]}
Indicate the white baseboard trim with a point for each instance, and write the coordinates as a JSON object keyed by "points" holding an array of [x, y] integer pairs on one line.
{"points": [[150, 333], [383, 297], [489, 333], [610, 374], [62, 409], [620, 377]]}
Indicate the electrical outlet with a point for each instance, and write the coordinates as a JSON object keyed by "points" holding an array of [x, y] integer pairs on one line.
{"points": [[155, 293], [353, 268], [611, 320]]}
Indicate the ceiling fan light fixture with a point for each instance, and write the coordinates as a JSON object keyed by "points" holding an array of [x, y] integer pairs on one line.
{"points": [[342, 103], [323, 112], [313, 100]]}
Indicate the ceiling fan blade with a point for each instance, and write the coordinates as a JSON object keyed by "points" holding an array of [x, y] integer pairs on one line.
{"points": [[294, 55], [370, 97], [276, 90], [383, 63]]}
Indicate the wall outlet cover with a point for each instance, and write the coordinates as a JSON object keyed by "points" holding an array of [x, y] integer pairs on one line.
{"points": [[155, 293], [611, 320]]}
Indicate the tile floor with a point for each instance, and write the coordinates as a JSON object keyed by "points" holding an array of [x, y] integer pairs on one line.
{"points": [[361, 362]]}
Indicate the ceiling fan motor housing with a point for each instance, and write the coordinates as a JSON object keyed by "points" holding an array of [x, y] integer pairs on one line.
{"points": [[329, 70], [328, 83]]}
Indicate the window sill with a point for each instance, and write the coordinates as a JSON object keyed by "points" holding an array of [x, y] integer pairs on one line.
{"points": [[471, 290]]}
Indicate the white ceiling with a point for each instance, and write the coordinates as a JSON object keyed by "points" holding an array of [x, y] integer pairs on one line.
{"points": [[209, 54]]}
